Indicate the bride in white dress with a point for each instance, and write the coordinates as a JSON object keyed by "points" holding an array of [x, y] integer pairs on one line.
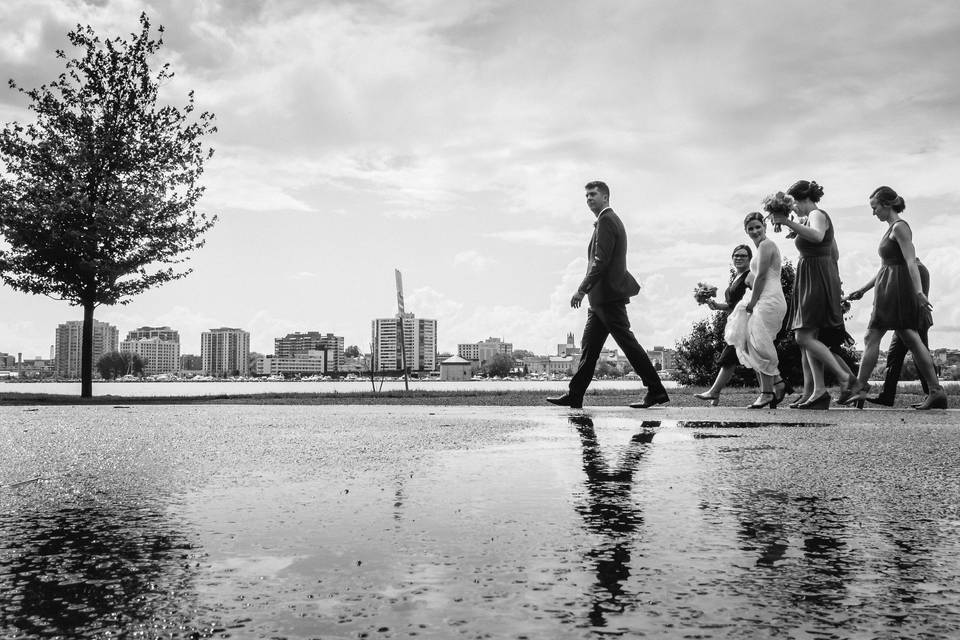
{"points": [[755, 321]]}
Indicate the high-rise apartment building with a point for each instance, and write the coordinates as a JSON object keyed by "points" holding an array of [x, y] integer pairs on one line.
{"points": [[225, 351], [158, 347], [69, 339], [164, 333], [419, 336], [294, 344]]}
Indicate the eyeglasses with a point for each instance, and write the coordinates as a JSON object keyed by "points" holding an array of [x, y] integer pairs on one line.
{"points": [[740, 255]]}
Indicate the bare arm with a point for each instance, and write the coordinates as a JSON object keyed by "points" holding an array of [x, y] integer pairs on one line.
{"points": [[815, 228], [858, 293]]}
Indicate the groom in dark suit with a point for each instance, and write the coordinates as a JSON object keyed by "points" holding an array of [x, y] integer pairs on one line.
{"points": [[608, 286]]}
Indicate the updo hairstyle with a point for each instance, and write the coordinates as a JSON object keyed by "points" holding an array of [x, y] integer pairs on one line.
{"points": [[805, 190], [889, 198], [754, 215]]}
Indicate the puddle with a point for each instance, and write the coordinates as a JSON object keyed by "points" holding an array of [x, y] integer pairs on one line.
{"points": [[303, 522]]}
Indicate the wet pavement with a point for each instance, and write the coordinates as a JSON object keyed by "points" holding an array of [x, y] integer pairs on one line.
{"points": [[418, 522]]}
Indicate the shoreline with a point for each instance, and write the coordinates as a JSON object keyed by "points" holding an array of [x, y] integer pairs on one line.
{"points": [[737, 398]]}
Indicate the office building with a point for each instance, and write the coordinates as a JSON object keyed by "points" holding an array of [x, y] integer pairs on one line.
{"points": [[419, 336], [480, 352], [225, 351], [312, 362], [68, 344]]}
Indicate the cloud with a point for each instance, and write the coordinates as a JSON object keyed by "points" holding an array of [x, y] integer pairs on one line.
{"points": [[472, 260]]}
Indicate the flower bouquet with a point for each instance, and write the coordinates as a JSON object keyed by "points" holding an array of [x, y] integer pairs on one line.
{"points": [[703, 292], [778, 205]]}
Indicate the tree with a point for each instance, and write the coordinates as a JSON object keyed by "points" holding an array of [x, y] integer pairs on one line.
{"points": [[499, 364], [353, 351], [116, 365], [519, 354], [98, 196]]}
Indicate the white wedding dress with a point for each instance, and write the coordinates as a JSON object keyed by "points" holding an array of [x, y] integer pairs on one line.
{"points": [[752, 334]]}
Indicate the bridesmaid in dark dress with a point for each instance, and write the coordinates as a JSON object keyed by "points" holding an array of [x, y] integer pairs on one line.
{"points": [[899, 301], [735, 291], [816, 297]]}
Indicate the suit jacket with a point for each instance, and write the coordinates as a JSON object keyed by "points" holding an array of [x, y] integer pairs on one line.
{"points": [[607, 278]]}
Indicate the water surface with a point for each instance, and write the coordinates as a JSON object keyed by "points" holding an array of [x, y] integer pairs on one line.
{"points": [[414, 522]]}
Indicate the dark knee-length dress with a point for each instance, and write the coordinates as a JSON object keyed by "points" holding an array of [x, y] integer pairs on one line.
{"points": [[895, 302], [816, 292]]}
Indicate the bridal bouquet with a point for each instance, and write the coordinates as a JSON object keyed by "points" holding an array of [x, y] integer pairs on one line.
{"points": [[778, 204], [703, 292]]}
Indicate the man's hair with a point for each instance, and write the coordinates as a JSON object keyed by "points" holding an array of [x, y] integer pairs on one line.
{"points": [[599, 186]]}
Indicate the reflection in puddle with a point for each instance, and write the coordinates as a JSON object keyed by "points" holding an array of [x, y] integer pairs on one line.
{"points": [[94, 571], [712, 424]]}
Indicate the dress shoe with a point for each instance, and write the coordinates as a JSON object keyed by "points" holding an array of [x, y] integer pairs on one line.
{"points": [[799, 401], [821, 402], [566, 400], [881, 400], [935, 400], [651, 399]]}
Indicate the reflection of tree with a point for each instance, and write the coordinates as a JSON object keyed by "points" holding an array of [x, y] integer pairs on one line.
{"points": [[93, 571], [610, 513]]}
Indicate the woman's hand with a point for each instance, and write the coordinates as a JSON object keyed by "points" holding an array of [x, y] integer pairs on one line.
{"points": [[924, 302], [854, 295]]}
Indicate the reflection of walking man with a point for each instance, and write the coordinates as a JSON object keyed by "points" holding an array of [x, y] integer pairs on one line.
{"points": [[608, 286]]}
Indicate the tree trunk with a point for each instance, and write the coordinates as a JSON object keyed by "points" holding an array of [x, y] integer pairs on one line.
{"points": [[86, 353]]}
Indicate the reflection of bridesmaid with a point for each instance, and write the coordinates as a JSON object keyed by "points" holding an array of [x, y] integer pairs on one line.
{"points": [[817, 316], [899, 302], [611, 513]]}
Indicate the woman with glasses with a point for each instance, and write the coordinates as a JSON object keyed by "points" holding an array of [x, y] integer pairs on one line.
{"points": [[754, 323], [734, 293], [899, 300]]}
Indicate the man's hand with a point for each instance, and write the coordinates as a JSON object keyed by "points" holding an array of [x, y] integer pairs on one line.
{"points": [[577, 299]]}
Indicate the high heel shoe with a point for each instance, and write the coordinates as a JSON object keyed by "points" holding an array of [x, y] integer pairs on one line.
{"points": [[799, 401], [821, 402], [771, 402], [857, 399], [778, 397], [713, 400], [935, 400], [851, 389]]}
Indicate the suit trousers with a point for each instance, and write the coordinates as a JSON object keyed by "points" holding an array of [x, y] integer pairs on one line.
{"points": [[610, 319], [895, 357]]}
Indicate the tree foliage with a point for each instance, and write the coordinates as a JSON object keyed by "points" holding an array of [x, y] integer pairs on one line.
{"points": [[98, 195], [116, 365], [499, 364], [353, 351]]}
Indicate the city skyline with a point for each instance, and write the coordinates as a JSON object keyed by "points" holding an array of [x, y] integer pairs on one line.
{"points": [[452, 141]]}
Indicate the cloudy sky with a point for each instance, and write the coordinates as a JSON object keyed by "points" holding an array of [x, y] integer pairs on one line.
{"points": [[451, 139]]}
